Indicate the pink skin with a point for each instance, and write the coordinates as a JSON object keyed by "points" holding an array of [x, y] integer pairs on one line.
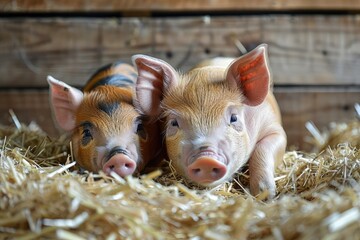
{"points": [[211, 155], [117, 159], [120, 164], [218, 118], [106, 142], [206, 166], [206, 170]]}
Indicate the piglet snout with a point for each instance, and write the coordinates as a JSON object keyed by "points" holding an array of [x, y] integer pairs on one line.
{"points": [[206, 170], [120, 164]]}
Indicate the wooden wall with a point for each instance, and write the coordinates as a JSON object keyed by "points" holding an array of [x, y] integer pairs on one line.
{"points": [[315, 58], [150, 6]]}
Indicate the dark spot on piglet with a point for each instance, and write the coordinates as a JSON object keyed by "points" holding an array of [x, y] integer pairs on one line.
{"points": [[108, 108]]}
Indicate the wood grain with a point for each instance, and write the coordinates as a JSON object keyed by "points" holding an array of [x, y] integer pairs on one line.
{"points": [[298, 105], [314, 59], [320, 105], [175, 6], [302, 49]]}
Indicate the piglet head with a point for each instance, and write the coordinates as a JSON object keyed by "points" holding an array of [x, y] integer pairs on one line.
{"points": [[206, 134], [107, 132]]}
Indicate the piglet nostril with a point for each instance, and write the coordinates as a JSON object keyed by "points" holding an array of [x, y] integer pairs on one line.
{"points": [[120, 164], [215, 170], [196, 171], [206, 170]]}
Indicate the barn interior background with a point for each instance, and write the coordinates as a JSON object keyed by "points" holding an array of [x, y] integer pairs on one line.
{"points": [[314, 49]]}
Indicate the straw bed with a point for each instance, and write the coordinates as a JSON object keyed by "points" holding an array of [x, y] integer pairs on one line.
{"points": [[42, 196]]}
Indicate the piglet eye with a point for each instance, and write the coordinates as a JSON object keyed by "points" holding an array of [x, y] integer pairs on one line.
{"points": [[174, 123], [172, 127], [233, 118], [140, 130], [86, 136], [86, 133], [140, 127]]}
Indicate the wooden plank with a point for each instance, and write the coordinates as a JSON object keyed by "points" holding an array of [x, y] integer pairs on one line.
{"points": [[71, 50], [28, 106], [175, 6], [298, 105], [303, 49], [319, 105]]}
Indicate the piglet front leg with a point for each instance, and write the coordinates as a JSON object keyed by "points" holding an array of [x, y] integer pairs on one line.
{"points": [[267, 153]]}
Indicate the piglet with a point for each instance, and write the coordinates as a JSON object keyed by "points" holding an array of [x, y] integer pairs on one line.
{"points": [[218, 117], [108, 133]]}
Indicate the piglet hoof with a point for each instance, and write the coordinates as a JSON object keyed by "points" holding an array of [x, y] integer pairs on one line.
{"points": [[263, 187]]}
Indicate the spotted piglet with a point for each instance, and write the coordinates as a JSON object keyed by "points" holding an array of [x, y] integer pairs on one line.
{"points": [[218, 117], [108, 133]]}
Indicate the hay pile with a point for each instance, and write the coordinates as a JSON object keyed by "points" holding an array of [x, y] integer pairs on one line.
{"points": [[43, 197]]}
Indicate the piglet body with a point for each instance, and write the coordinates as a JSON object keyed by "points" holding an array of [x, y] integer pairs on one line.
{"points": [[218, 117], [108, 133]]}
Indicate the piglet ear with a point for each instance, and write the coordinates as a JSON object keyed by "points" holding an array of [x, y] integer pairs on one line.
{"points": [[64, 100], [155, 77], [250, 73]]}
